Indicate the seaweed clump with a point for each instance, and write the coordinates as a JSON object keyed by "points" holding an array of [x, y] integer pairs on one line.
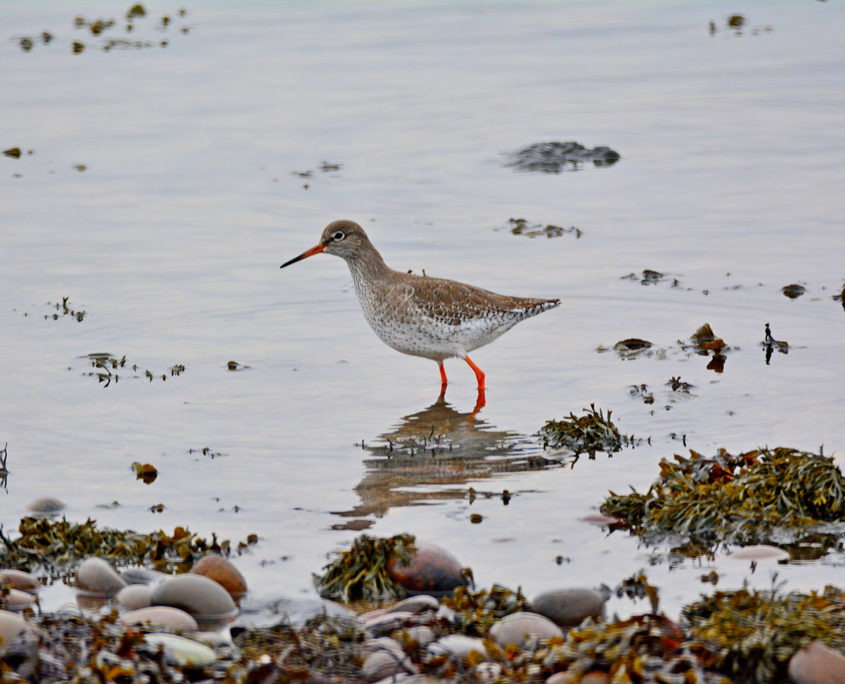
{"points": [[54, 547], [765, 495], [476, 611], [321, 646], [363, 572], [588, 434], [751, 635]]}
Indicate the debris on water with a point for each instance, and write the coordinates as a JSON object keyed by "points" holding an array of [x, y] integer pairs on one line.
{"points": [[145, 471], [235, 366], [641, 392], [520, 226], [64, 309], [734, 25], [769, 344], [679, 385], [207, 451], [105, 363], [363, 571], [53, 547], [630, 347], [554, 157], [840, 297], [704, 341], [324, 167], [13, 152], [649, 277], [586, 434], [793, 291], [762, 496]]}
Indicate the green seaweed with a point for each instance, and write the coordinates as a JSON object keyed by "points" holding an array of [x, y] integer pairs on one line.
{"points": [[589, 433], [751, 634], [54, 547], [363, 573], [765, 495]]}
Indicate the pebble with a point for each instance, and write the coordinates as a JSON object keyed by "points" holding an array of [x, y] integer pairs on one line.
{"points": [[222, 571], [134, 596], [422, 635], [16, 600], [458, 645], [161, 616], [46, 505], [207, 602], [415, 604], [568, 607], [759, 552], [385, 623], [380, 644], [96, 577], [17, 579], [816, 663], [432, 570], [11, 624], [524, 629], [386, 663], [181, 650], [560, 678]]}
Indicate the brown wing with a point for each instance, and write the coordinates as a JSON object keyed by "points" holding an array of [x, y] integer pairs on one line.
{"points": [[453, 303]]}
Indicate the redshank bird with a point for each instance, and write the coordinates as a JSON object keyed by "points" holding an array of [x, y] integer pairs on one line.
{"points": [[430, 317]]}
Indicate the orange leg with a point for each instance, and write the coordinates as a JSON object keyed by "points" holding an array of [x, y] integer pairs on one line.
{"points": [[443, 379], [479, 374]]}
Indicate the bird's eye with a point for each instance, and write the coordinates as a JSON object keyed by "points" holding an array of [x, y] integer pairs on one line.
{"points": [[339, 235]]}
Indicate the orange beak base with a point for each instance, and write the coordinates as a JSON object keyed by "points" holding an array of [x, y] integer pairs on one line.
{"points": [[311, 252]]}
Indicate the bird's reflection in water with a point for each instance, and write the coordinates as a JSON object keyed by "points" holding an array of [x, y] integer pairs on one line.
{"points": [[431, 453]]}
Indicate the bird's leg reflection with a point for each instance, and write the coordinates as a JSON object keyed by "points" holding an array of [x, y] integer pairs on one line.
{"points": [[480, 403]]}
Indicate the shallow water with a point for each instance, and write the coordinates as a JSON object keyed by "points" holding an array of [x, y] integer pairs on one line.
{"points": [[171, 237]]}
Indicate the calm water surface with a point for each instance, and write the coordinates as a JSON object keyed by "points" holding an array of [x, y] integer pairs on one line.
{"points": [[171, 237]]}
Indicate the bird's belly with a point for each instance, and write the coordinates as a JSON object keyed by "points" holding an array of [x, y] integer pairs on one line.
{"points": [[433, 339]]}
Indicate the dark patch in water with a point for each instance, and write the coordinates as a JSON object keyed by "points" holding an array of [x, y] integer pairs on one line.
{"points": [[554, 157]]}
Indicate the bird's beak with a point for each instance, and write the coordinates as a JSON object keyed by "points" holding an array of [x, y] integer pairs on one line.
{"points": [[311, 252]]}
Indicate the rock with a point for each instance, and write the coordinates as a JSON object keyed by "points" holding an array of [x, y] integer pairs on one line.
{"points": [[524, 629], [568, 607], [206, 601], [161, 616], [385, 622], [422, 635], [134, 596], [387, 663], [381, 644], [46, 505], [560, 678], [816, 663], [17, 579], [16, 600], [759, 552], [97, 578], [457, 645], [415, 604], [143, 576], [11, 625], [223, 572], [181, 650], [487, 672], [432, 570], [596, 677]]}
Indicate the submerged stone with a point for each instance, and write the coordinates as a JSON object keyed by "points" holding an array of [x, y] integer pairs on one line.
{"points": [[431, 570]]}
